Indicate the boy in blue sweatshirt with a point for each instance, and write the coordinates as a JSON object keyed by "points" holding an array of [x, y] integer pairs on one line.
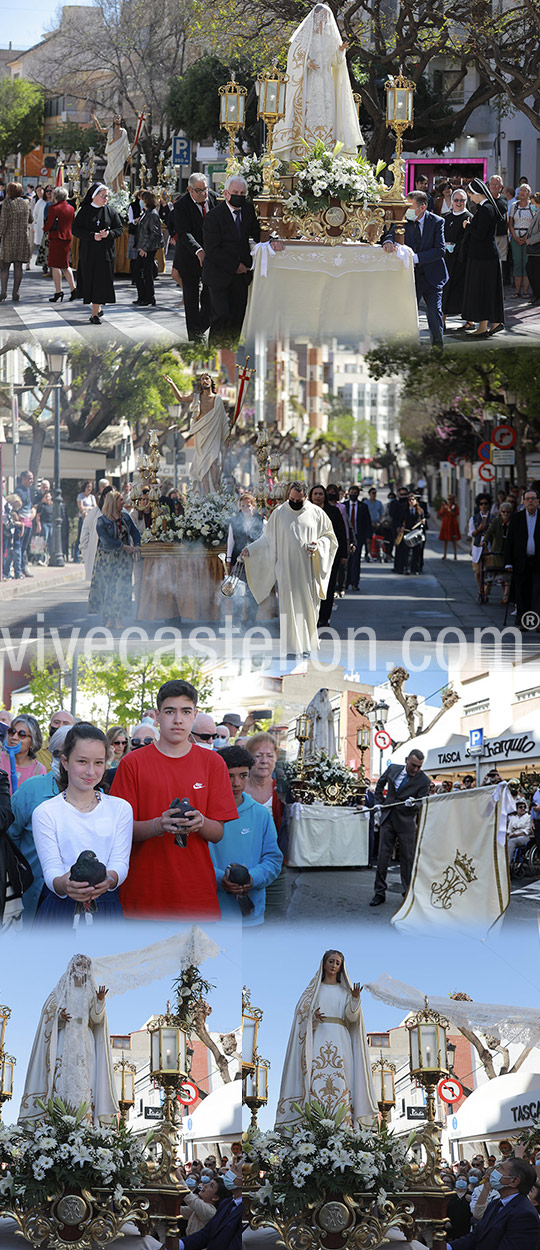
{"points": [[250, 840]]}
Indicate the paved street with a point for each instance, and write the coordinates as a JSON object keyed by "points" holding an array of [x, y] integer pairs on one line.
{"points": [[442, 597], [346, 893], [34, 318]]}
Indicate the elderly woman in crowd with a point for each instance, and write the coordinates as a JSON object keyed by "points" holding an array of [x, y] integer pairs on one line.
{"points": [[58, 227], [149, 238], [97, 226], [18, 758], [520, 216], [24, 803], [262, 787], [532, 248], [42, 209], [118, 544], [15, 247]]}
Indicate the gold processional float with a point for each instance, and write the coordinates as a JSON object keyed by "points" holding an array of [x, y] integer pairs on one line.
{"points": [[358, 1220], [336, 221]]}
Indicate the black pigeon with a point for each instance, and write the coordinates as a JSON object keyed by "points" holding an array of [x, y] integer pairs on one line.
{"points": [[88, 868]]}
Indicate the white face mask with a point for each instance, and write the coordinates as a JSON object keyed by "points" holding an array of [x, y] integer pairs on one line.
{"points": [[410, 214], [206, 746], [55, 768], [219, 743]]}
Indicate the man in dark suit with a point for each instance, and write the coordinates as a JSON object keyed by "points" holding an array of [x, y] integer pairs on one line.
{"points": [[360, 523], [404, 784], [188, 217], [424, 234], [227, 266], [521, 554], [510, 1222]]}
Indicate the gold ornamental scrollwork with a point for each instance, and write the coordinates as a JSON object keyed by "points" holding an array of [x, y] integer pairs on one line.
{"points": [[340, 223], [360, 1223], [99, 1220]]}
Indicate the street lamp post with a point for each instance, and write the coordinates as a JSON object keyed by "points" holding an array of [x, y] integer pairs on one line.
{"points": [[378, 716], [56, 359]]}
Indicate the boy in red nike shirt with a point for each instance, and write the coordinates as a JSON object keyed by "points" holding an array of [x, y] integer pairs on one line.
{"points": [[164, 879]]}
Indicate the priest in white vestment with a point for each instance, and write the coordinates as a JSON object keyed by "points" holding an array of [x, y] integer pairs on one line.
{"points": [[327, 1058], [297, 551], [319, 104], [71, 1055]]}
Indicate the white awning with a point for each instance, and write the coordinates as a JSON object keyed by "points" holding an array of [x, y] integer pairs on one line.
{"points": [[506, 1105], [218, 1118]]}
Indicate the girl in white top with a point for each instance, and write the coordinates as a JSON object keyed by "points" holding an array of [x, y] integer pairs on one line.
{"points": [[79, 819]]}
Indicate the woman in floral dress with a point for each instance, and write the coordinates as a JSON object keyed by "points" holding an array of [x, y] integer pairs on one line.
{"points": [[118, 545]]}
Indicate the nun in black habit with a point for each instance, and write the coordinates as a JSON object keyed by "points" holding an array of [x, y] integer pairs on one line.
{"points": [[455, 237], [483, 299], [96, 225]]}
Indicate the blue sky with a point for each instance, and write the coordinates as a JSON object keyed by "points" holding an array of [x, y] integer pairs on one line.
{"points": [[278, 963], [23, 24], [32, 965]]}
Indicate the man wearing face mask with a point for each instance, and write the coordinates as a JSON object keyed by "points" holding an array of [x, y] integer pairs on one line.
{"points": [[58, 719], [227, 267], [510, 1222], [26, 798], [297, 551], [204, 731], [424, 234]]}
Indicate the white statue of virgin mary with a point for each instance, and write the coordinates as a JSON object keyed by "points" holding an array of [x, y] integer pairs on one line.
{"points": [[319, 103], [71, 1055], [327, 1057]]}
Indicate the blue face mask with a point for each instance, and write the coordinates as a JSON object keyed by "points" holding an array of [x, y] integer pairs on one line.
{"points": [[205, 1180], [461, 1186], [191, 1182], [495, 1179]]}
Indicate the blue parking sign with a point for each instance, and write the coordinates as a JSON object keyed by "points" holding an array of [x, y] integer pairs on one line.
{"points": [[476, 737], [181, 150]]}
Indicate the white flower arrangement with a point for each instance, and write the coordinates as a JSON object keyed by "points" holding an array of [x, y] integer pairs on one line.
{"points": [[326, 778], [324, 176], [119, 200], [206, 520], [340, 1160], [41, 1159]]}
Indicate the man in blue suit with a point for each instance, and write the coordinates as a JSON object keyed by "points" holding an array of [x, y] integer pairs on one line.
{"points": [[510, 1222], [424, 234]]}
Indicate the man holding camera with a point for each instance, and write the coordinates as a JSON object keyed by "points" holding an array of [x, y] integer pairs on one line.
{"points": [[165, 877]]}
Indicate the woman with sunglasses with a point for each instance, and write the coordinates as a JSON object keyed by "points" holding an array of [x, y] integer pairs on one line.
{"points": [[18, 758], [117, 746]]}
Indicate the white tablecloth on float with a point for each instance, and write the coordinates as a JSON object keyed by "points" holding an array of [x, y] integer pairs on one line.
{"points": [[327, 837], [352, 291]]}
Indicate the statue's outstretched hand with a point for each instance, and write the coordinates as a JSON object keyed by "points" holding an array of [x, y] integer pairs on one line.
{"points": [[357, 989], [102, 991]]}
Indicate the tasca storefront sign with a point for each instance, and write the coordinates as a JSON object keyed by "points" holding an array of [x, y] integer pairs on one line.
{"points": [[514, 744]]}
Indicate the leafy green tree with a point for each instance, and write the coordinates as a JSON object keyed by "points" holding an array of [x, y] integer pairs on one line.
{"points": [[100, 386], [462, 393], [21, 117], [194, 100], [119, 692], [48, 691], [70, 138]]}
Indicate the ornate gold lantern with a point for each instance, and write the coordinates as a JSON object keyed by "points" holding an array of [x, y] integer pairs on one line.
{"points": [[385, 1089], [7, 1062], [399, 117], [232, 110], [124, 1073], [427, 1051], [256, 1087], [271, 94], [167, 1057], [251, 1018]]}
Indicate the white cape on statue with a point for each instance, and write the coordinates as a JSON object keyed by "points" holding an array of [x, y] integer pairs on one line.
{"points": [[280, 555], [314, 1066], [319, 104], [509, 1024], [460, 876], [129, 969]]}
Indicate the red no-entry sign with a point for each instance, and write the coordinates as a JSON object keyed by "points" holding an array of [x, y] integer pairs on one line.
{"points": [[449, 1089], [382, 740], [503, 437], [487, 472]]}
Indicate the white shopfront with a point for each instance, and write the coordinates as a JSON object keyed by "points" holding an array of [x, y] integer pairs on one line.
{"points": [[511, 752]]}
